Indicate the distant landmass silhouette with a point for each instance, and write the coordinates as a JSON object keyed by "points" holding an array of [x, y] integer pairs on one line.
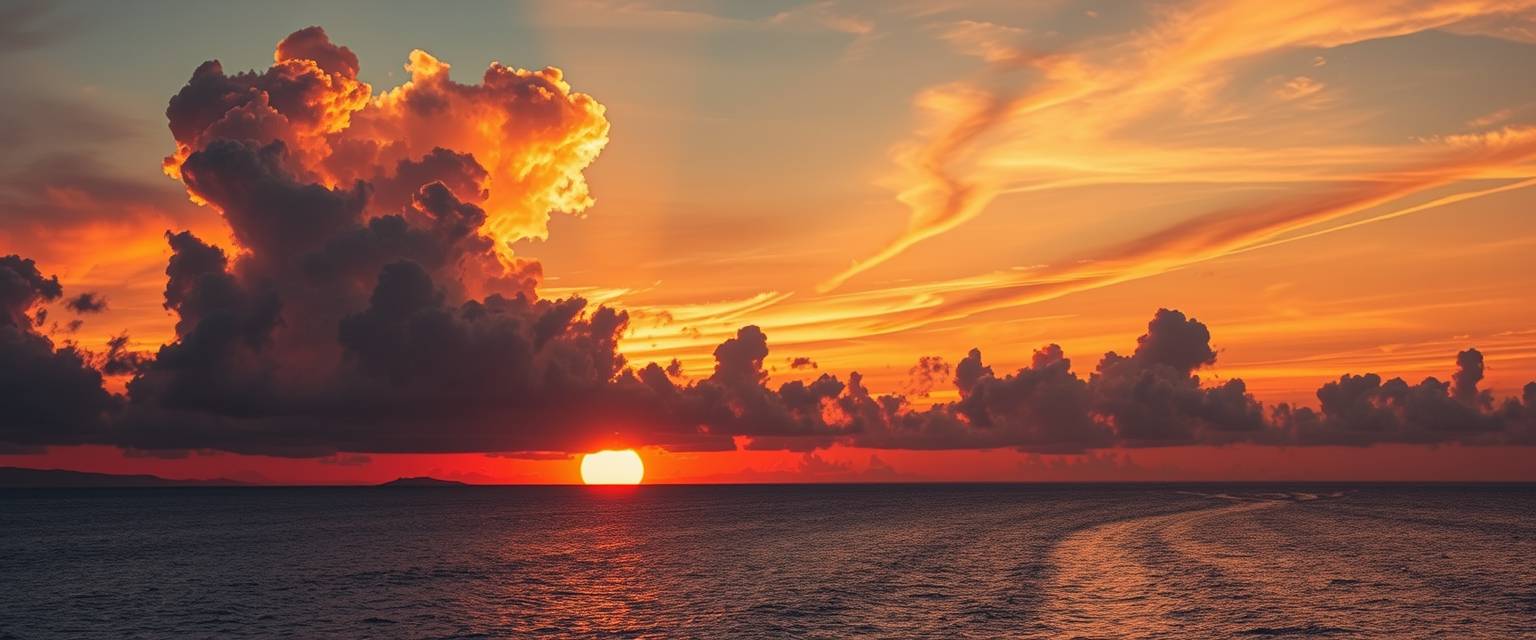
{"points": [[18, 477], [423, 481]]}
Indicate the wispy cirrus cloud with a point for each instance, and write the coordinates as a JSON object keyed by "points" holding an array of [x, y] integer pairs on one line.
{"points": [[1043, 119]]}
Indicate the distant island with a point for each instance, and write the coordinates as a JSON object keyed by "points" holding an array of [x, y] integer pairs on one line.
{"points": [[18, 477], [423, 481]]}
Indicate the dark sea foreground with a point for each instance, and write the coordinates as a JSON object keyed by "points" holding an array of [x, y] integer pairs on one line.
{"points": [[942, 561]]}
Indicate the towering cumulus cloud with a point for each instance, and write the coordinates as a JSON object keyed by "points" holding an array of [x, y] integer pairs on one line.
{"points": [[371, 303], [515, 144]]}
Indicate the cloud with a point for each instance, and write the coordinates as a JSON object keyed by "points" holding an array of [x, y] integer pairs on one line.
{"points": [[1243, 228], [1469, 372], [22, 287], [1042, 407], [537, 376], [311, 43], [1150, 398], [87, 302], [369, 304], [521, 137], [118, 359], [1298, 88], [925, 375], [370, 293], [530, 132], [1365, 409], [736, 400], [1082, 115], [360, 340], [1153, 397], [48, 395]]}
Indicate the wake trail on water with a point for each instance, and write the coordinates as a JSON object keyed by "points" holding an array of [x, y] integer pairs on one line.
{"points": [[1142, 561], [1210, 569], [1114, 577]]}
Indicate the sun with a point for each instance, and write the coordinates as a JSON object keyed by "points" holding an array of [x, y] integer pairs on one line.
{"points": [[612, 467]]}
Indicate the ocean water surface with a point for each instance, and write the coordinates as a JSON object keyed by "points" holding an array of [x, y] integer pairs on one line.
{"points": [[940, 561]]}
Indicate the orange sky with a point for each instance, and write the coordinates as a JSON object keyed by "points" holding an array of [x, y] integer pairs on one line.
{"points": [[1331, 188]]}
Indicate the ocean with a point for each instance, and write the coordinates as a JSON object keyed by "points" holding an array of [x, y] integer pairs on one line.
{"points": [[803, 561]]}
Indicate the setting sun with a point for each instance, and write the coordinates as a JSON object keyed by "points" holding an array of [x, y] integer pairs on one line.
{"points": [[612, 467]]}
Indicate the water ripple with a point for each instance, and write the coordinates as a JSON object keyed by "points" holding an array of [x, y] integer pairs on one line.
{"points": [[841, 561]]}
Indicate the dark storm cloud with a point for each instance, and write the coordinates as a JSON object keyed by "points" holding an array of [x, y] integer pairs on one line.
{"points": [[1175, 342], [1366, 409], [119, 359], [736, 399], [420, 371], [1469, 372], [47, 395], [367, 314], [271, 212], [222, 324], [1523, 415], [1042, 407], [1150, 398], [23, 287], [1153, 397], [458, 172], [340, 332]]}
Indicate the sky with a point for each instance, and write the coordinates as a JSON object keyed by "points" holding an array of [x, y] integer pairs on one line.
{"points": [[1186, 240]]}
